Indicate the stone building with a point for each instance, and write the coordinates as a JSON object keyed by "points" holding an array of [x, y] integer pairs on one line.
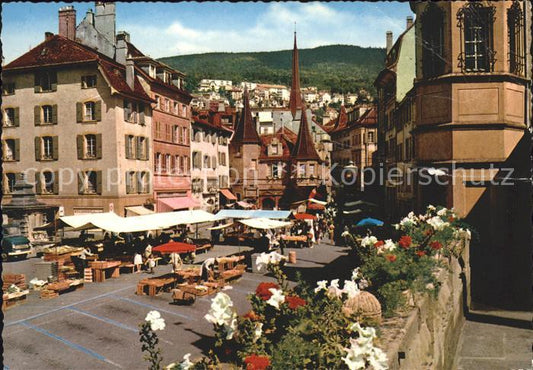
{"points": [[396, 115], [210, 168], [64, 125], [171, 126], [471, 120]]}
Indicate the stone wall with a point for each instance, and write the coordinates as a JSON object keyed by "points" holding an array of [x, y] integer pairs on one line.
{"points": [[432, 329]]}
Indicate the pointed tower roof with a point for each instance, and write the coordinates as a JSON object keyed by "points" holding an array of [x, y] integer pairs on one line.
{"points": [[295, 101], [245, 132], [342, 120], [304, 149]]}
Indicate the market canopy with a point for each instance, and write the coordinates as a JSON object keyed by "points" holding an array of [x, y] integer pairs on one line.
{"points": [[139, 210], [244, 204], [112, 222], [228, 194], [304, 216], [369, 221], [174, 247], [220, 227], [171, 204], [264, 223], [243, 213]]}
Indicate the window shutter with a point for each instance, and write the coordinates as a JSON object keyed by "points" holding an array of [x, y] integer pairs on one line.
{"points": [[126, 141], [37, 115], [54, 114], [17, 149], [56, 182], [141, 115], [128, 183], [146, 180], [81, 182], [79, 112], [37, 148], [17, 119], [146, 149], [126, 110], [55, 147], [98, 146], [99, 182], [79, 141], [98, 110], [36, 85], [38, 183], [53, 80], [138, 149], [139, 182]]}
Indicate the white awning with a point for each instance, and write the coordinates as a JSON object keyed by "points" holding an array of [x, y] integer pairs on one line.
{"points": [[139, 210], [318, 201], [220, 227], [116, 224], [264, 223]]}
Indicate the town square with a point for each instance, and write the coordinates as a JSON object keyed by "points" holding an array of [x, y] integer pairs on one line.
{"points": [[276, 185]]}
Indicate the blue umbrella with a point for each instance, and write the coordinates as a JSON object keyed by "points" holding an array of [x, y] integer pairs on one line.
{"points": [[369, 222]]}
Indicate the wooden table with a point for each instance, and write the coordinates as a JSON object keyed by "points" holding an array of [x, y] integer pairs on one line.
{"points": [[103, 268], [10, 299], [156, 285], [298, 240]]}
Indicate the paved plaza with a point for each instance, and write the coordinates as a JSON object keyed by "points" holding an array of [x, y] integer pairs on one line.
{"points": [[97, 326]]}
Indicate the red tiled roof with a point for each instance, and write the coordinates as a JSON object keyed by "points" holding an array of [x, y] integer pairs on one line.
{"points": [[287, 139], [213, 126], [245, 131], [369, 117], [60, 51], [304, 149]]}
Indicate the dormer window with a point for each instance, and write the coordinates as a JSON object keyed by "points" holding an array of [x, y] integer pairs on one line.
{"points": [[274, 149], [45, 81]]}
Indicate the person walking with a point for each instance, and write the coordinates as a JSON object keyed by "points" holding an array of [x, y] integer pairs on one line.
{"points": [[208, 269], [150, 263], [137, 261], [176, 262], [331, 232]]}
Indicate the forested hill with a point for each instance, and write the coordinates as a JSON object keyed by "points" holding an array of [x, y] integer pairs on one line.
{"points": [[340, 68]]}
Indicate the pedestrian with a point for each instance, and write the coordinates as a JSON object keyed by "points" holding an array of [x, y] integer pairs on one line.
{"points": [[137, 261], [208, 269], [176, 262], [331, 231], [150, 263], [215, 234], [148, 251]]}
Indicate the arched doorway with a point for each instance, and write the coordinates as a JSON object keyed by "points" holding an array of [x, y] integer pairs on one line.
{"points": [[268, 203]]}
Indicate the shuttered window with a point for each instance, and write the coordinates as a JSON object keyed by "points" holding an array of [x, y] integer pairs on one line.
{"points": [[90, 111], [10, 117], [11, 149], [45, 81], [90, 182]]}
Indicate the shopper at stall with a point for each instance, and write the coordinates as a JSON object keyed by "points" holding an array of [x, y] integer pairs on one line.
{"points": [[176, 262], [137, 261], [208, 269], [150, 263]]}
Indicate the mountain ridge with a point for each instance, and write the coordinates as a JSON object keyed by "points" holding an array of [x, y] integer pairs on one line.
{"points": [[338, 68]]}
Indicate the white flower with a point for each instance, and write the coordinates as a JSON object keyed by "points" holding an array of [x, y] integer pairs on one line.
{"points": [[378, 359], [357, 271], [396, 226], [431, 208], [355, 358], [186, 364], [258, 331], [442, 212], [368, 241], [320, 285], [389, 245], [363, 283], [430, 286], [437, 223], [333, 289], [155, 320], [265, 259], [350, 288], [221, 312], [231, 328], [276, 298]]}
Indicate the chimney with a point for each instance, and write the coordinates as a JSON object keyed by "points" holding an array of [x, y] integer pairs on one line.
{"points": [[105, 20], [130, 73], [67, 22], [90, 16], [389, 41], [121, 52], [48, 36], [409, 21]]}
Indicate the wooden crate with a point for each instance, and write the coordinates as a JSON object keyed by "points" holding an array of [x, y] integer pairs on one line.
{"points": [[49, 294], [88, 275]]}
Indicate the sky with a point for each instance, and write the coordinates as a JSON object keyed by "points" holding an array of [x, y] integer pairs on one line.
{"points": [[167, 29]]}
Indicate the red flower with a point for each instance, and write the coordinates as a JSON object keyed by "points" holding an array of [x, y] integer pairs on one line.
{"points": [[252, 316], [420, 253], [379, 243], [294, 302], [405, 241], [450, 219], [390, 257], [428, 232], [263, 291], [254, 362], [435, 245]]}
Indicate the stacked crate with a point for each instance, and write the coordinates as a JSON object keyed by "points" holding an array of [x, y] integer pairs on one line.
{"points": [[88, 275], [16, 279]]}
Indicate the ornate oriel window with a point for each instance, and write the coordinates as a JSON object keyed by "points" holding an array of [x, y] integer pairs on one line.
{"points": [[477, 45], [433, 61], [515, 28]]}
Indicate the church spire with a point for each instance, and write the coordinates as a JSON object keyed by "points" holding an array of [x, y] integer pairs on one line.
{"points": [[304, 149], [295, 101], [245, 132]]}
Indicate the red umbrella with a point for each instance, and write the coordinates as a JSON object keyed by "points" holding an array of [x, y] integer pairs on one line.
{"points": [[174, 247], [304, 216]]}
